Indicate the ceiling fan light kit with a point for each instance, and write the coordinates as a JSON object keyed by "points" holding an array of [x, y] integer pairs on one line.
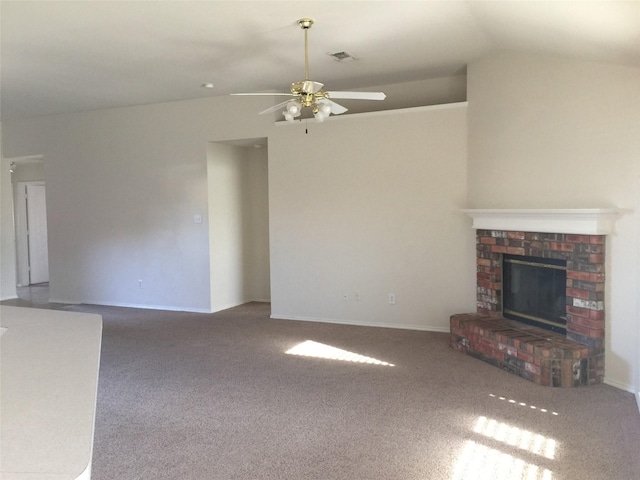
{"points": [[310, 94]]}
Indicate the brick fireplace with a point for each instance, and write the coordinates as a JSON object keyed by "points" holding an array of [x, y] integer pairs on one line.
{"points": [[547, 358]]}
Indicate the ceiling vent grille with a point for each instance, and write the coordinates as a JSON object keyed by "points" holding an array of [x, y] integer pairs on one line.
{"points": [[342, 56]]}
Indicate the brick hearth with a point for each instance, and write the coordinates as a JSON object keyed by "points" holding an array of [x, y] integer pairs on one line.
{"points": [[544, 357]]}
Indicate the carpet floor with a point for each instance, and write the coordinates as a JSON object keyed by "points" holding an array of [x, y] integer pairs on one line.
{"points": [[217, 396]]}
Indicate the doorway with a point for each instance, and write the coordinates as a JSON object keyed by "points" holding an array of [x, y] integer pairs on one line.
{"points": [[37, 245], [237, 173], [32, 252]]}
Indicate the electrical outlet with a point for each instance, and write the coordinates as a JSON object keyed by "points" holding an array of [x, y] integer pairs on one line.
{"points": [[356, 296], [345, 297], [139, 283], [392, 299]]}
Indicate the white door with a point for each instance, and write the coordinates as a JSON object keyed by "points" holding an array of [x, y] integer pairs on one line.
{"points": [[37, 234]]}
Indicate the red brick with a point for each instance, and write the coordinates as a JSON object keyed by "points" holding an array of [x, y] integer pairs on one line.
{"points": [[567, 247], [573, 327], [527, 357], [488, 241], [577, 238], [596, 315], [574, 292], [498, 249], [580, 353], [567, 373], [586, 322], [597, 239], [515, 250], [596, 248], [576, 275], [517, 235], [581, 312], [596, 333], [483, 261], [596, 258]]}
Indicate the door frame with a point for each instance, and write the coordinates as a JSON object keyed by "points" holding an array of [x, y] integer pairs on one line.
{"points": [[22, 240]]}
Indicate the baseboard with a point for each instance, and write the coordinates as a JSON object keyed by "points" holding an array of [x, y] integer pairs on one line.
{"points": [[219, 308], [638, 400], [8, 298], [363, 324], [619, 385], [154, 307], [68, 302], [143, 306]]}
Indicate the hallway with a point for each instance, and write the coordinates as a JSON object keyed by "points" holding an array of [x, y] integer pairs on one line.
{"points": [[36, 296]]}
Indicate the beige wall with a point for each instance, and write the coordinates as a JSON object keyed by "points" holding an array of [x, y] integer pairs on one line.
{"points": [[123, 187], [552, 133], [7, 245], [370, 205]]}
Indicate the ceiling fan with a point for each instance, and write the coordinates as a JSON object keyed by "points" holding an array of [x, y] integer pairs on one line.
{"points": [[309, 94]]}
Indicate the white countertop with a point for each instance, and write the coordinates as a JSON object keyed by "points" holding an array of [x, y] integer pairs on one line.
{"points": [[49, 362]]}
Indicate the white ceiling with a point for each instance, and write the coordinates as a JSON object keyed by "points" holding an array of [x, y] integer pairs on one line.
{"points": [[60, 56]]}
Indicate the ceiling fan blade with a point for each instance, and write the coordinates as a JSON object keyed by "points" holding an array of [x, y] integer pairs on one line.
{"points": [[274, 108], [358, 95], [268, 94], [336, 108]]}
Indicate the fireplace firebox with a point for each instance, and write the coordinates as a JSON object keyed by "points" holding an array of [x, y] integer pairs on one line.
{"points": [[534, 291]]}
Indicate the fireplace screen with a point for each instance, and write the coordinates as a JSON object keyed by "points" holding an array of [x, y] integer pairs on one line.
{"points": [[534, 291]]}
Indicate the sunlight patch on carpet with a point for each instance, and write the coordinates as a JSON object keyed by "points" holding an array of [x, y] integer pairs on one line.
{"points": [[522, 404], [309, 348], [516, 437], [477, 461]]}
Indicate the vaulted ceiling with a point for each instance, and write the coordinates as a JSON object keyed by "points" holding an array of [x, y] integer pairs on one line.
{"points": [[60, 56]]}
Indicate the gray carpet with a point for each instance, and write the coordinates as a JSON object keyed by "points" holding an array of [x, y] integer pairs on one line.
{"points": [[215, 396]]}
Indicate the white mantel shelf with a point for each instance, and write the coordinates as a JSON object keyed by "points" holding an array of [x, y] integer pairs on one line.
{"points": [[583, 221]]}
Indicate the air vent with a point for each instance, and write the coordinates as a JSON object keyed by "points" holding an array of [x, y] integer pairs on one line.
{"points": [[342, 56]]}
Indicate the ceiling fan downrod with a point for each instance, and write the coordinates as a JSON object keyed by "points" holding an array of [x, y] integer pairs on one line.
{"points": [[305, 24]]}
